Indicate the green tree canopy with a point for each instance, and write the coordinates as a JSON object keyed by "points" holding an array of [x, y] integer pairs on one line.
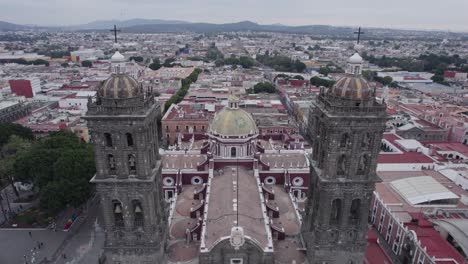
{"points": [[317, 81], [61, 166], [263, 87], [87, 63], [281, 63], [136, 58], [324, 71], [9, 129]]}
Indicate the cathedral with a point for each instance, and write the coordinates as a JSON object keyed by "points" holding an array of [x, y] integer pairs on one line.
{"points": [[236, 197]]}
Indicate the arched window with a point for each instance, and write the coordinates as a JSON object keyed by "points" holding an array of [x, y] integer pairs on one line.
{"points": [[341, 165], [335, 214], [344, 140], [132, 163], [367, 140], [355, 210], [129, 139], [111, 162], [108, 139], [363, 164], [233, 152], [137, 213], [117, 209]]}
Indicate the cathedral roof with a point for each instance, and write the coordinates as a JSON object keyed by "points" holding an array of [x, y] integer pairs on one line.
{"points": [[233, 122], [119, 86]]}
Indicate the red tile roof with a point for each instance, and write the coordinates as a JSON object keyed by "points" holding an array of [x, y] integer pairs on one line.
{"points": [[434, 243], [404, 157]]}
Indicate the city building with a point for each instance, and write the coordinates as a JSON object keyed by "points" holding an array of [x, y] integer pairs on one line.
{"points": [[25, 87]]}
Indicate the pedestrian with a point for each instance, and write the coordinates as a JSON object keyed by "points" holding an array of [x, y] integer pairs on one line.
{"points": [[42, 244], [30, 234]]}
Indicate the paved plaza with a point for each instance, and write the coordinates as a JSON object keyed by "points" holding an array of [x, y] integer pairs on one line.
{"points": [[82, 244]]}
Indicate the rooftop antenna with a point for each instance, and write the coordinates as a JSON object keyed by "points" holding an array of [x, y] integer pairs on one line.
{"points": [[359, 33], [115, 30]]}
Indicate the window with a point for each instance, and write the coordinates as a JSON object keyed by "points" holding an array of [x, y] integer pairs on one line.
{"points": [[367, 140], [132, 163], [186, 128], [118, 213], [137, 213], [111, 162], [237, 261], [363, 164], [341, 166], [233, 152], [129, 139], [167, 128], [108, 139], [203, 128], [344, 140], [355, 211], [335, 216]]}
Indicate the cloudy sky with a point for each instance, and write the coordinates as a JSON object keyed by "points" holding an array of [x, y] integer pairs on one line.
{"points": [[415, 14]]}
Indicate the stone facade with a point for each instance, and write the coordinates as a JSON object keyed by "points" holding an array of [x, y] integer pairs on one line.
{"points": [[125, 136], [346, 133], [14, 112]]}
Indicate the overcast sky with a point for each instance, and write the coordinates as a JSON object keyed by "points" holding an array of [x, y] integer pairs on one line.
{"points": [[417, 14]]}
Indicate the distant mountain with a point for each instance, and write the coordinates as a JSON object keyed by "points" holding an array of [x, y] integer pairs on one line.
{"points": [[107, 24], [316, 30], [163, 26], [6, 26]]}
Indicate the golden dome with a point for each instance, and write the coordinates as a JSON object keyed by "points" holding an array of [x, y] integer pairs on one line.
{"points": [[233, 122], [119, 86]]}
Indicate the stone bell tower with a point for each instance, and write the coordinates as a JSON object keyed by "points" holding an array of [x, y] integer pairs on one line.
{"points": [[347, 127], [123, 128]]}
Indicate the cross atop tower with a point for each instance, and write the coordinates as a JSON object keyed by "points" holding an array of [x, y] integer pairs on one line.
{"points": [[115, 30], [359, 33]]}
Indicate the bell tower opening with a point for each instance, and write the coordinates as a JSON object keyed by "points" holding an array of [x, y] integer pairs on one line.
{"points": [[233, 152]]}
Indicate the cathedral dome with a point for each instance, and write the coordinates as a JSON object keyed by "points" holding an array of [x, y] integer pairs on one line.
{"points": [[119, 86], [353, 87], [233, 122]]}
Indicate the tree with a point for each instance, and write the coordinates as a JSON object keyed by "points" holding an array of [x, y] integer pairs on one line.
{"points": [[9, 129], [136, 58], [317, 81], [298, 77], [8, 153], [324, 71], [246, 62], [65, 65], [87, 63], [438, 78], [387, 80], [61, 166], [263, 87]]}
